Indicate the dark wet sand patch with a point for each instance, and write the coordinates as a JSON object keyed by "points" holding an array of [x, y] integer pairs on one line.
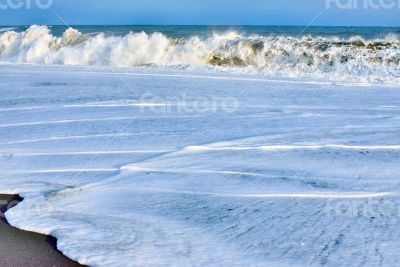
{"points": [[22, 248]]}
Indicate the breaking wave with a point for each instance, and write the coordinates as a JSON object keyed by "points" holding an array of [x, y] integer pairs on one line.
{"points": [[372, 60]]}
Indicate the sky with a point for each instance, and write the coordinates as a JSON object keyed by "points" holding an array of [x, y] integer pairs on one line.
{"points": [[201, 12]]}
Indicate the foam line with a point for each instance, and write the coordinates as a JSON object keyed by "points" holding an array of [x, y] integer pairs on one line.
{"points": [[317, 195], [82, 153], [292, 147], [63, 171]]}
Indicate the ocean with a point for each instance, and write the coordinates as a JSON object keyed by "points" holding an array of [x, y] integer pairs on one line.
{"points": [[207, 31], [365, 54], [204, 146]]}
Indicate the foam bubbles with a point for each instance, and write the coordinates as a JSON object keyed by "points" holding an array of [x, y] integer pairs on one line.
{"points": [[335, 58]]}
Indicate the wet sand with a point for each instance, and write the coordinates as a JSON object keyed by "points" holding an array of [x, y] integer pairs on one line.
{"points": [[21, 248]]}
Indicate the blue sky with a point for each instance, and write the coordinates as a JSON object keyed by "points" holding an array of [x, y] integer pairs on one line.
{"points": [[193, 12]]}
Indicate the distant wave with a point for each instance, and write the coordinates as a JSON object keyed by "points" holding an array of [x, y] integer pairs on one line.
{"points": [[7, 29], [373, 60]]}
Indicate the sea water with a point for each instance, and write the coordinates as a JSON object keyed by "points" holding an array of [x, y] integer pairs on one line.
{"points": [[368, 54], [204, 146]]}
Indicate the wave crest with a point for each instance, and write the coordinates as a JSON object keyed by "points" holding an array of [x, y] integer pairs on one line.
{"points": [[279, 55]]}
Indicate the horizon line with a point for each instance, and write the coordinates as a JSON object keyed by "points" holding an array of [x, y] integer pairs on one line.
{"points": [[207, 25]]}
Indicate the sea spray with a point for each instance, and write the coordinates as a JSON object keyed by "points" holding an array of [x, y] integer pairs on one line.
{"points": [[343, 58]]}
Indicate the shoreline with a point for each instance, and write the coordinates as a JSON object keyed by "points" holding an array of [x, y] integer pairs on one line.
{"points": [[23, 248]]}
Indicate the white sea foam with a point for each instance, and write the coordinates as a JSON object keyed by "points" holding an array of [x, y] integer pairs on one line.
{"points": [[356, 58], [249, 188]]}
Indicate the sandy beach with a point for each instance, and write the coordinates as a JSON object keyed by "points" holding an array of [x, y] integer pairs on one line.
{"points": [[21, 248]]}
